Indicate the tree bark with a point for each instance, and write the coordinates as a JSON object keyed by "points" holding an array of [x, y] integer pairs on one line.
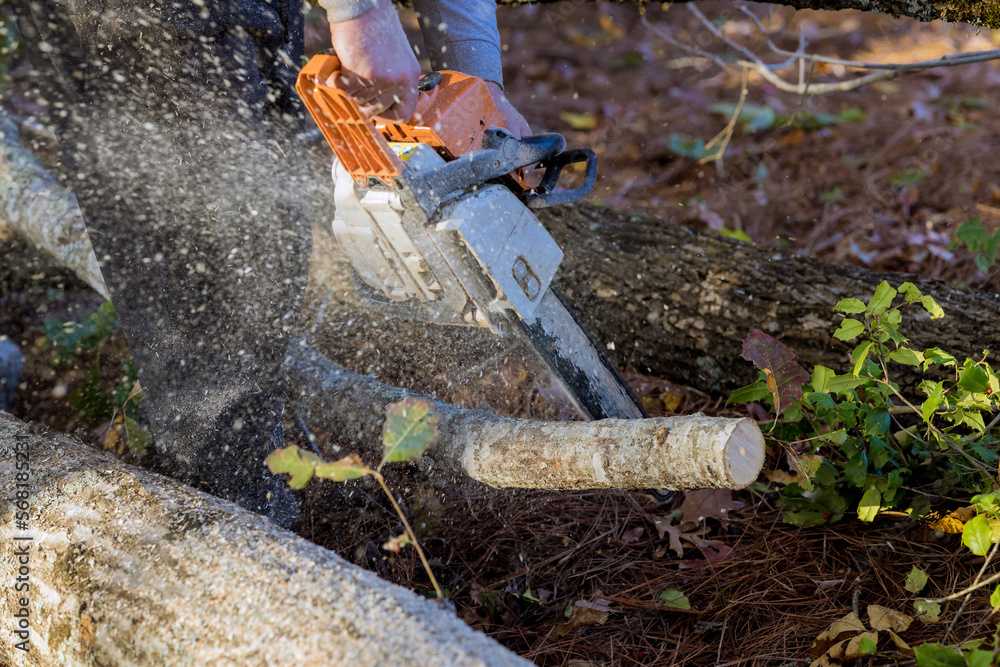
{"points": [[130, 568], [977, 12]]}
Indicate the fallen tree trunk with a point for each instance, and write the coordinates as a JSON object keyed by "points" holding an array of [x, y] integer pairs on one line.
{"points": [[668, 453], [127, 567], [691, 452]]}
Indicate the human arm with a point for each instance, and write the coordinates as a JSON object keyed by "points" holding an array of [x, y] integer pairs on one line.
{"points": [[463, 36], [380, 70]]}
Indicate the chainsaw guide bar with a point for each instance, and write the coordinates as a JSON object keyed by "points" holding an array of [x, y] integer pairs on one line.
{"points": [[437, 222]]}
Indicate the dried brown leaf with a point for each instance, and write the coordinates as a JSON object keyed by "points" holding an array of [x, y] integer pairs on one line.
{"points": [[581, 616], [883, 618]]}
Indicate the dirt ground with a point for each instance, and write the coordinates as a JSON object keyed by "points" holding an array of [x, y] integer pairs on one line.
{"points": [[880, 177]]}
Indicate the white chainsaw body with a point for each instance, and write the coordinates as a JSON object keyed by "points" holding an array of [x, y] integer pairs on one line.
{"points": [[480, 258]]}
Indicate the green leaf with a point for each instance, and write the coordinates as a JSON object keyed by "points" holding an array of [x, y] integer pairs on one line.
{"points": [[910, 291], [289, 460], [979, 657], [849, 329], [821, 377], [843, 383], [905, 355], [935, 655], [927, 611], [410, 428], [916, 580], [579, 121], [674, 598], [933, 401], [737, 234], [90, 399], [973, 380], [856, 469], [884, 294], [976, 535], [850, 306], [871, 503], [936, 355], [995, 597], [932, 307], [867, 646], [349, 467], [750, 393], [860, 355]]}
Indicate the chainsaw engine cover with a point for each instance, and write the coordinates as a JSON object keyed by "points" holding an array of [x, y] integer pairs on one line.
{"points": [[510, 246]]}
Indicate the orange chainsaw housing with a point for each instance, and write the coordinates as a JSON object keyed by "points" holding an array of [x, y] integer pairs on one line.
{"points": [[451, 118]]}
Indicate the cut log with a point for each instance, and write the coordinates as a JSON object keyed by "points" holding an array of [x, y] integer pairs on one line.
{"points": [[691, 452], [127, 567]]}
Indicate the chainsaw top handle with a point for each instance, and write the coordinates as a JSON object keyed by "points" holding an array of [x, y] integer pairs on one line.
{"points": [[455, 115]]}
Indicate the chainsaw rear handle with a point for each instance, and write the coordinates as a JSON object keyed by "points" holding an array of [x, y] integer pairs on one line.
{"points": [[545, 196]]}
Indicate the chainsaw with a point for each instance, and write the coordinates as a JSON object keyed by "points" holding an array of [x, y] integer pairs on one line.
{"points": [[438, 224]]}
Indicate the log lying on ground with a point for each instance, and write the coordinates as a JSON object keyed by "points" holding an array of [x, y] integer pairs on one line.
{"points": [[676, 303], [130, 568], [690, 452]]}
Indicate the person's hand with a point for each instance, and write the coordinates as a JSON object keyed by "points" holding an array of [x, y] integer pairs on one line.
{"points": [[378, 68], [512, 120]]}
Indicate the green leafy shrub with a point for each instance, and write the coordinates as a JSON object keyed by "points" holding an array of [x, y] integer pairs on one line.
{"points": [[856, 440]]}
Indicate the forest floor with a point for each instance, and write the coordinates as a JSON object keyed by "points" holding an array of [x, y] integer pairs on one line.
{"points": [[881, 177]]}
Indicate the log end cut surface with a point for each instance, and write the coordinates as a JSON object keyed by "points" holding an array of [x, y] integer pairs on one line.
{"points": [[744, 453]]}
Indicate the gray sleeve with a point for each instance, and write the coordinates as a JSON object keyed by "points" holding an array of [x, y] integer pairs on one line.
{"points": [[343, 10], [462, 36]]}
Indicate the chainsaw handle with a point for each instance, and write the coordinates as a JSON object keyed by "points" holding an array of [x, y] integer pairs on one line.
{"points": [[544, 196], [501, 154]]}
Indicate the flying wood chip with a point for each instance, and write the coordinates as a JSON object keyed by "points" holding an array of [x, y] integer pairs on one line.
{"points": [[785, 376]]}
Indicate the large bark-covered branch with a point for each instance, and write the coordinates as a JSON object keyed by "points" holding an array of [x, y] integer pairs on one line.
{"points": [[126, 567], [690, 452], [28, 195], [676, 303], [977, 12]]}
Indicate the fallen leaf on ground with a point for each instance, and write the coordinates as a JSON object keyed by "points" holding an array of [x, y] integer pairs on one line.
{"points": [[707, 504], [883, 618], [830, 636], [862, 645], [954, 521]]}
